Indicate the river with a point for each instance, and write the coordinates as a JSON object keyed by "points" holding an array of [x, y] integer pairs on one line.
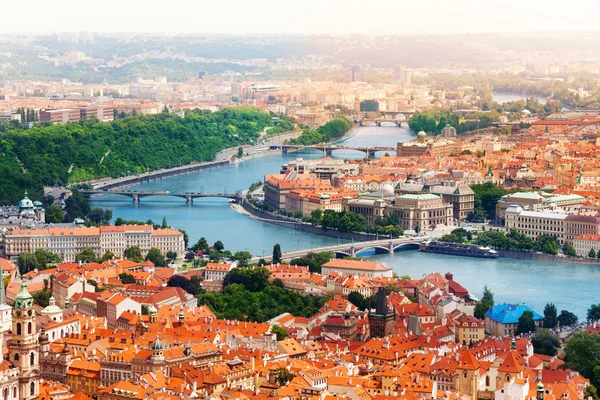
{"points": [[568, 286], [505, 97]]}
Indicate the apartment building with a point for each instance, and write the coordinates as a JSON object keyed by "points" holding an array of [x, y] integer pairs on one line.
{"points": [[66, 242], [537, 201], [564, 227], [66, 115]]}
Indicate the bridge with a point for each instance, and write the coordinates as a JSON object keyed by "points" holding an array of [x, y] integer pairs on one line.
{"points": [[137, 195], [328, 149], [354, 249], [378, 122]]}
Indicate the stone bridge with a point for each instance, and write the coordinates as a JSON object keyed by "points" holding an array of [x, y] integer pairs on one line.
{"points": [[137, 195], [354, 249]]}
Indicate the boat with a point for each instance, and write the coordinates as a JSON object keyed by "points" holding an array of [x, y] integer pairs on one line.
{"points": [[458, 249]]}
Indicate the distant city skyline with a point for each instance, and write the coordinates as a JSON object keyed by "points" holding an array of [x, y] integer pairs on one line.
{"points": [[386, 17]]}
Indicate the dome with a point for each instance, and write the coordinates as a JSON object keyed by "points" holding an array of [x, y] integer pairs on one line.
{"points": [[26, 202], [152, 310], [421, 134], [52, 309], [387, 189], [324, 197], [24, 298], [157, 345]]}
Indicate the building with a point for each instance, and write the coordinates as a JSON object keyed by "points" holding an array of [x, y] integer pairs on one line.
{"points": [[66, 242], [278, 186], [421, 211], [21, 372], [468, 329], [538, 201], [564, 227], [422, 147], [585, 242], [382, 320], [502, 319], [321, 198], [371, 269], [217, 271]]}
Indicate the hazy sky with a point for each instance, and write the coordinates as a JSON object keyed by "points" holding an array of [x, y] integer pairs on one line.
{"points": [[300, 16]]}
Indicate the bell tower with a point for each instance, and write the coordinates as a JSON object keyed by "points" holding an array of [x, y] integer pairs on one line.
{"points": [[24, 347]]}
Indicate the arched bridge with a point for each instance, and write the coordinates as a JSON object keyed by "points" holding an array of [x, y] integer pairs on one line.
{"points": [[380, 121], [137, 195], [354, 249], [327, 149]]}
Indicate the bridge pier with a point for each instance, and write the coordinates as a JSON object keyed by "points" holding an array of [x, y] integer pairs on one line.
{"points": [[370, 154], [284, 150], [352, 252], [189, 199], [327, 152], [391, 247], [136, 198]]}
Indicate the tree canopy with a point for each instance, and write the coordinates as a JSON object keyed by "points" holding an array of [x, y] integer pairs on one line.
{"points": [[61, 154]]}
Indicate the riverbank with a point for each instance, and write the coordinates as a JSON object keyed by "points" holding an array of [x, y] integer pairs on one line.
{"points": [[222, 158], [248, 210], [529, 255]]}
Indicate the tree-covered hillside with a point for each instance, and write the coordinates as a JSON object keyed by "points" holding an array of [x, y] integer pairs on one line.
{"points": [[61, 154]]}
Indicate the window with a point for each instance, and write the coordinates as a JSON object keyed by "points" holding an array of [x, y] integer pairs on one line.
{"points": [[18, 328], [29, 328], [32, 388]]}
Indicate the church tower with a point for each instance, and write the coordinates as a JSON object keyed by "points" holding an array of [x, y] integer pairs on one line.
{"points": [[382, 321], [24, 348]]}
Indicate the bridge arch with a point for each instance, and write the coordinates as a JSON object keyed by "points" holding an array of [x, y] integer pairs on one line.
{"points": [[406, 246], [342, 254]]}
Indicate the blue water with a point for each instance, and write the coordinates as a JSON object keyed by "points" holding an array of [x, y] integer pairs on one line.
{"points": [[505, 97], [569, 286]]}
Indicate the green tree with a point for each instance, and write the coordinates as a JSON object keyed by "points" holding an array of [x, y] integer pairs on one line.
{"points": [[240, 152], [164, 224], [171, 256], [44, 257], [133, 253], [108, 255], [76, 206], [276, 254], [316, 216], [569, 250], [357, 299], [54, 215], [550, 316], [218, 246], [544, 342], [592, 253], [526, 323], [99, 216], [591, 392], [593, 313], [252, 279], [242, 258], [279, 332], [87, 255], [567, 318], [156, 257], [26, 262], [126, 278], [582, 354], [282, 376], [201, 245], [486, 302], [192, 286]]}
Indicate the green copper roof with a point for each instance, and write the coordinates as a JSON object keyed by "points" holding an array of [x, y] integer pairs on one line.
{"points": [[24, 298]]}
